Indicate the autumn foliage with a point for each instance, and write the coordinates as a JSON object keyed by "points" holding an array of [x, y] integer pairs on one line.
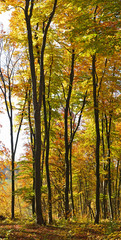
{"points": [[60, 81]]}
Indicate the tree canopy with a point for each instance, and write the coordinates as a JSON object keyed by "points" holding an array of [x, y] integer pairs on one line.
{"points": [[60, 74]]}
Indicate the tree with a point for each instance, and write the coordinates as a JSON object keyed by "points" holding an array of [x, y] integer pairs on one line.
{"points": [[37, 98], [67, 58], [8, 84]]}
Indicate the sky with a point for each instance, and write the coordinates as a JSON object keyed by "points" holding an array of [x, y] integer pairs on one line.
{"points": [[4, 121], [4, 19]]}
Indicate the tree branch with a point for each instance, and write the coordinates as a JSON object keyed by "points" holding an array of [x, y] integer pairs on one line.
{"points": [[79, 119], [18, 132]]}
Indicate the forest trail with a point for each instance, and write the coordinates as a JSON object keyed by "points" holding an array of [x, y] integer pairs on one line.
{"points": [[71, 231]]}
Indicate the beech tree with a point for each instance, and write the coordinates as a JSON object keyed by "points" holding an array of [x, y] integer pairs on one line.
{"points": [[37, 99]]}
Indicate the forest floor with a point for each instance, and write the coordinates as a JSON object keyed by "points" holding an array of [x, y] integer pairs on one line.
{"points": [[75, 231]]}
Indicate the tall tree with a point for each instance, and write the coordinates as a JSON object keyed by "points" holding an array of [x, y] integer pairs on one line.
{"points": [[96, 114], [8, 83], [37, 97], [32, 139], [47, 122], [66, 138]]}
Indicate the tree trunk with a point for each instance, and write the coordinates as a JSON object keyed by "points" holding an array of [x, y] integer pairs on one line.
{"points": [[66, 167], [71, 184], [42, 88], [37, 98], [108, 129], [96, 115], [66, 139], [48, 182], [37, 109], [33, 198], [47, 137], [116, 189], [105, 175], [32, 139], [13, 170], [119, 188], [80, 197]]}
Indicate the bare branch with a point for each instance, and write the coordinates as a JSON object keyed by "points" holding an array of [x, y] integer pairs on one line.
{"points": [[79, 119], [20, 124], [4, 93]]}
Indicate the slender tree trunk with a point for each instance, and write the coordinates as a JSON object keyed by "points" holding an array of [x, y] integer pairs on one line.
{"points": [[71, 184], [47, 135], [13, 149], [80, 197], [66, 167], [108, 129], [37, 98], [96, 115], [68, 144], [10, 115], [43, 158], [116, 190], [47, 138], [32, 138], [37, 109], [42, 83], [48, 182], [119, 188], [105, 175], [66, 139], [105, 198], [33, 198], [13, 169]]}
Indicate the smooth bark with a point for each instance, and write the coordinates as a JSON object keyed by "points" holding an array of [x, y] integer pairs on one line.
{"points": [[71, 183], [37, 120], [96, 116], [32, 139], [66, 139], [105, 175], [47, 137], [108, 130], [37, 98]]}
